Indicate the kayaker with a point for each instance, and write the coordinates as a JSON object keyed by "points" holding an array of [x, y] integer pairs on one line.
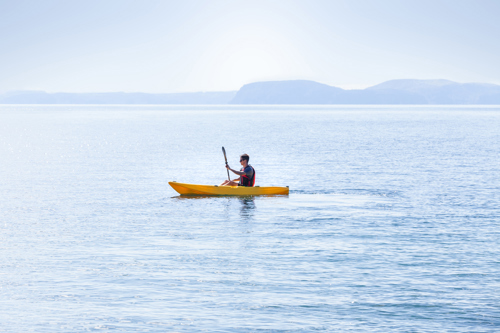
{"points": [[246, 173]]}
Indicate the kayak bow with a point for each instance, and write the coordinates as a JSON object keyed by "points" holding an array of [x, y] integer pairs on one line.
{"points": [[193, 189]]}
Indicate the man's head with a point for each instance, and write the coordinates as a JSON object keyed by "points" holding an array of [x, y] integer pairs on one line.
{"points": [[244, 159]]}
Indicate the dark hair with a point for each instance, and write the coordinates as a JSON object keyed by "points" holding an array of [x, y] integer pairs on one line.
{"points": [[245, 157]]}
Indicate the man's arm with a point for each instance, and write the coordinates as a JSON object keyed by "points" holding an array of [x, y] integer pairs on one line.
{"points": [[239, 173]]}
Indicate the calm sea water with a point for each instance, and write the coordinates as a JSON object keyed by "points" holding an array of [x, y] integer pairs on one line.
{"points": [[392, 222]]}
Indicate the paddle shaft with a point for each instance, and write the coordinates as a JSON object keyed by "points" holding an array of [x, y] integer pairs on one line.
{"points": [[224, 151]]}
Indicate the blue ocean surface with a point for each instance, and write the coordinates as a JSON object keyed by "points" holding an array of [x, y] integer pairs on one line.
{"points": [[392, 222]]}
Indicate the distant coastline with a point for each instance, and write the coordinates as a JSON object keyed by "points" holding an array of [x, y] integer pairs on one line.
{"points": [[414, 92]]}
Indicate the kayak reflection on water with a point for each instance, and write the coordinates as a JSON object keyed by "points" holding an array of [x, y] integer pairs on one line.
{"points": [[246, 209]]}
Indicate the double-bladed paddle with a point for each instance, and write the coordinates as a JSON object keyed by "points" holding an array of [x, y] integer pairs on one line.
{"points": [[224, 151]]}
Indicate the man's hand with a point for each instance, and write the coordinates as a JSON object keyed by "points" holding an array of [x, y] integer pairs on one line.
{"points": [[227, 167]]}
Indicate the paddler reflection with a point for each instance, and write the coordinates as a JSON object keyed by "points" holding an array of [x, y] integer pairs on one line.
{"points": [[247, 207]]}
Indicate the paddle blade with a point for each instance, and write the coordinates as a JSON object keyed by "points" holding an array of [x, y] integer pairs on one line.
{"points": [[224, 151]]}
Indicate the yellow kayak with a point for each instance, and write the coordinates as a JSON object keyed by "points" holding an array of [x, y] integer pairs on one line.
{"points": [[193, 189]]}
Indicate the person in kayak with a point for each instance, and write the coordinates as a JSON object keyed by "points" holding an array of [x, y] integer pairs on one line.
{"points": [[246, 173]]}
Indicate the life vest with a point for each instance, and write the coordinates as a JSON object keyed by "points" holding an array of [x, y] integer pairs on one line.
{"points": [[247, 181]]}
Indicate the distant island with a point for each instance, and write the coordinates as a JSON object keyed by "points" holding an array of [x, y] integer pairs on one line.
{"points": [[415, 92], [390, 92]]}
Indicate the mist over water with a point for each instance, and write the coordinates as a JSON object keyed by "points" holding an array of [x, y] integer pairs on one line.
{"points": [[392, 222]]}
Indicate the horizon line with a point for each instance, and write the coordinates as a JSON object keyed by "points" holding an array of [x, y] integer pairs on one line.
{"points": [[344, 87]]}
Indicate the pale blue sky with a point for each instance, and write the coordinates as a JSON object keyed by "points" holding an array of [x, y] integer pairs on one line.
{"points": [[176, 46]]}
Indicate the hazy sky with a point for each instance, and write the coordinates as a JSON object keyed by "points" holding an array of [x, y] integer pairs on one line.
{"points": [[219, 45]]}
